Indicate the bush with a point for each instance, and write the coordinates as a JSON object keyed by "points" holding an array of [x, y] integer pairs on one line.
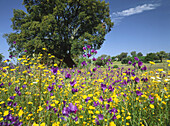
{"points": [[115, 66], [125, 60]]}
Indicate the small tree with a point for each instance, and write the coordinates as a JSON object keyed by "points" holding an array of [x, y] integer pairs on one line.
{"points": [[161, 55], [139, 54], [133, 53], [122, 55]]}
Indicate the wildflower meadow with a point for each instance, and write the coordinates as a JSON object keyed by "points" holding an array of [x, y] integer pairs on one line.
{"points": [[37, 94]]}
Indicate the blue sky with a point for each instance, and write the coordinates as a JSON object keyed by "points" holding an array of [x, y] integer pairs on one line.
{"points": [[140, 25]]}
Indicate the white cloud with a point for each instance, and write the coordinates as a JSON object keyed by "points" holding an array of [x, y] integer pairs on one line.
{"points": [[117, 16]]}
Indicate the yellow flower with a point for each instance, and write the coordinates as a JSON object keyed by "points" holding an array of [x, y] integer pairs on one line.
{"points": [[112, 124], [128, 117], [164, 103], [168, 61], [81, 116], [1, 119], [97, 112], [34, 124], [20, 112], [151, 106], [6, 113], [151, 62], [118, 116], [42, 124]]}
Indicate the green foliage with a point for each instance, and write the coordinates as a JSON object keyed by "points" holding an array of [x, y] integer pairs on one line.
{"points": [[102, 60], [1, 57], [133, 53], [125, 60], [63, 27], [139, 54], [151, 57], [161, 55], [115, 66], [122, 55]]}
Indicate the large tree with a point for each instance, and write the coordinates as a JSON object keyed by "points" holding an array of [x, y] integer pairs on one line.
{"points": [[61, 26]]}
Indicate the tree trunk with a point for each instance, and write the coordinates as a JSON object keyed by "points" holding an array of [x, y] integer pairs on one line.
{"points": [[68, 60]]}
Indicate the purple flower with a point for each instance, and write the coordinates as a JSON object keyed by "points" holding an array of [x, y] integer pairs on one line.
{"points": [[9, 103], [49, 107], [50, 88], [24, 86], [109, 59], [15, 104], [72, 83], [55, 110], [144, 68], [84, 48], [129, 62], [114, 117], [88, 46], [25, 50], [83, 63], [102, 58], [54, 70], [101, 98], [74, 90], [76, 118], [107, 106], [10, 56], [59, 86], [97, 122], [96, 103], [87, 99], [109, 100], [12, 97], [103, 86], [151, 102], [1, 84], [139, 93], [111, 88], [94, 59], [134, 64], [64, 102], [14, 42], [92, 51], [137, 80], [144, 79], [94, 69], [113, 110], [84, 55], [136, 58], [88, 55], [65, 111], [140, 63], [95, 52], [72, 108], [68, 76], [100, 116], [150, 96]]}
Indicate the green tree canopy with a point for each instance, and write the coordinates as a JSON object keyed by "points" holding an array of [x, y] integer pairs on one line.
{"points": [[139, 54], [61, 26], [122, 55], [161, 55], [133, 53], [1, 57]]}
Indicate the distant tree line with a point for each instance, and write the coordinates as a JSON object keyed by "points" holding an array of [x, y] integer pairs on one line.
{"points": [[124, 58]]}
